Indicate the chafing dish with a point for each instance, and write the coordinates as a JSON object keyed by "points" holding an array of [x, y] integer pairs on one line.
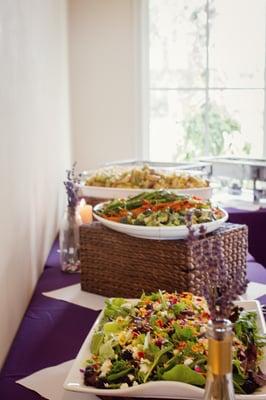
{"points": [[240, 169]]}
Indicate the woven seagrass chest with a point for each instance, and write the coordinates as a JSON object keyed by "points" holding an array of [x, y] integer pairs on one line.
{"points": [[114, 264]]}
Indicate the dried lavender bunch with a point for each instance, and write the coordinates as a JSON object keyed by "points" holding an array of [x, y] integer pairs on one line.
{"points": [[71, 185], [223, 282]]}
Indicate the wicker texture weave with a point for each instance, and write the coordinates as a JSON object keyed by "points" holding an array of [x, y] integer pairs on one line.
{"points": [[115, 264]]}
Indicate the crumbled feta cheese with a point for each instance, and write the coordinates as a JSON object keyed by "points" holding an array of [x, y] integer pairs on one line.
{"points": [[124, 386], [135, 383], [163, 313], [106, 367], [144, 365], [131, 377], [188, 361], [127, 305], [135, 351], [157, 306], [203, 329]]}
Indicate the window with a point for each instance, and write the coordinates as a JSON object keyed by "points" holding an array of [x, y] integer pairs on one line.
{"points": [[206, 78]]}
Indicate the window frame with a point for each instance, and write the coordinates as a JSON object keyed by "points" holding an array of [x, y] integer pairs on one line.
{"points": [[142, 13]]}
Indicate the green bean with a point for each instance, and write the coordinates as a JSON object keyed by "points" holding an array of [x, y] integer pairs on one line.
{"points": [[159, 196]]}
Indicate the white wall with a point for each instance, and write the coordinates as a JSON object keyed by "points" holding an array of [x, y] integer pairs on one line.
{"points": [[104, 80], [35, 147]]}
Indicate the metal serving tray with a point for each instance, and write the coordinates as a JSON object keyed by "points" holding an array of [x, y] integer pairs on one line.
{"points": [[239, 168], [200, 166]]}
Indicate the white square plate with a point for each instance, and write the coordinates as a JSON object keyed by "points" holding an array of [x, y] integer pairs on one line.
{"points": [[158, 389]]}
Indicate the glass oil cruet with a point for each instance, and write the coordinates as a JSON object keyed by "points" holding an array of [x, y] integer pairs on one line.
{"points": [[219, 384]]}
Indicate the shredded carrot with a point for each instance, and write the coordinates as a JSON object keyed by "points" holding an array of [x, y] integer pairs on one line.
{"points": [[161, 206], [116, 218], [176, 205]]}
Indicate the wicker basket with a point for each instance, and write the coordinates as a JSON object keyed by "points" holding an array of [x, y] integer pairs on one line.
{"points": [[115, 264]]}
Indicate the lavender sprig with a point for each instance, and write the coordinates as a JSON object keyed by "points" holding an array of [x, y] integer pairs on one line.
{"points": [[71, 185], [191, 231]]}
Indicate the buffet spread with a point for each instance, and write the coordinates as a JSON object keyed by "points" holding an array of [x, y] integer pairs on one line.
{"points": [[157, 237]]}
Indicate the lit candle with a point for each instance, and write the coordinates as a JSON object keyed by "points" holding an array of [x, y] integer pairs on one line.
{"points": [[85, 212]]}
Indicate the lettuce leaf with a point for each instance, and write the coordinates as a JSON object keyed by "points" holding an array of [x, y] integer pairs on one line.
{"points": [[106, 350], [157, 357], [114, 327], [182, 373], [96, 342], [113, 308], [183, 333]]}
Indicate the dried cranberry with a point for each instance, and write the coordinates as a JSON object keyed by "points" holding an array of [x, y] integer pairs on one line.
{"points": [[149, 306], [250, 386], [127, 355], [90, 376], [100, 383], [159, 343], [125, 379]]}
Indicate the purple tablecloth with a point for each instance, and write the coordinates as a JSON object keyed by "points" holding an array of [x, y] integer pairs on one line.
{"points": [[256, 222], [52, 331]]}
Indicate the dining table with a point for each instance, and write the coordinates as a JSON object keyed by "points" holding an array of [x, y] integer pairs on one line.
{"points": [[53, 330]]}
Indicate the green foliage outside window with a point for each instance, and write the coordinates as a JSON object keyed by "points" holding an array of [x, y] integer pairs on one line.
{"points": [[222, 129]]}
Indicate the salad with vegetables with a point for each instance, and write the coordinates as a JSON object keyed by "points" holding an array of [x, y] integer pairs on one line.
{"points": [[162, 337], [160, 208]]}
